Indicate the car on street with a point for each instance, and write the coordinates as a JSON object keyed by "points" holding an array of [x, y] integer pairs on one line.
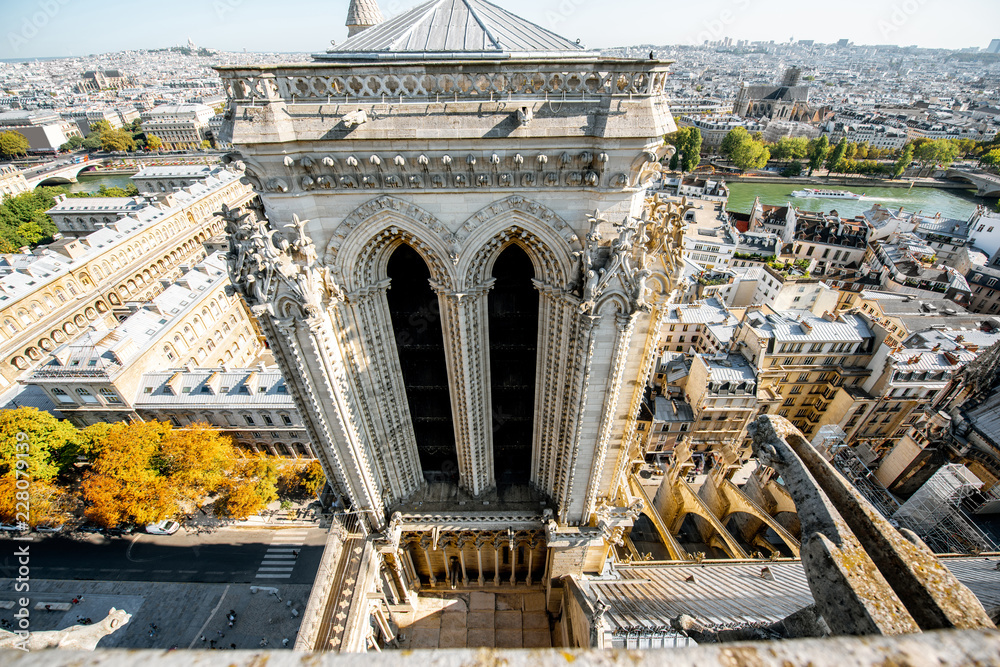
{"points": [[57, 528], [166, 527], [12, 527], [90, 528]]}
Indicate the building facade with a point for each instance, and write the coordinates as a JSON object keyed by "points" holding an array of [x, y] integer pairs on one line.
{"points": [[194, 322], [56, 292], [463, 288]]}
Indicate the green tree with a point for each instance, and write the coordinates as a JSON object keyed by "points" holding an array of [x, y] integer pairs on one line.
{"points": [[836, 155], [691, 150], [92, 142], [790, 148], [966, 146], [750, 154], [904, 161], [99, 127], [23, 221], [74, 143], [863, 149], [939, 151], [733, 138], [46, 445], [793, 169], [153, 142], [13, 144], [991, 160], [687, 142], [117, 140], [817, 153]]}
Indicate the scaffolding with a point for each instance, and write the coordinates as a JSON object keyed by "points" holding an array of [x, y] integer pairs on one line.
{"points": [[935, 512], [850, 465]]}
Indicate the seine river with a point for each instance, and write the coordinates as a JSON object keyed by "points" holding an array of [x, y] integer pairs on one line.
{"points": [[93, 182], [958, 204]]}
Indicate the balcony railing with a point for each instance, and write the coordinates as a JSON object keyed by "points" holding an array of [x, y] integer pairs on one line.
{"points": [[445, 81]]}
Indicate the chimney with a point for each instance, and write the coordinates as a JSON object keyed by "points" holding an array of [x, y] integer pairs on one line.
{"points": [[361, 15]]}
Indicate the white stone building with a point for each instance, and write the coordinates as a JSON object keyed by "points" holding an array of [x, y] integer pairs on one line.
{"points": [[462, 288], [178, 125]]}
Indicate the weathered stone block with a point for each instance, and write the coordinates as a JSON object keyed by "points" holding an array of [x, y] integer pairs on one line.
{"points": [[479, 601], [508, 620]]}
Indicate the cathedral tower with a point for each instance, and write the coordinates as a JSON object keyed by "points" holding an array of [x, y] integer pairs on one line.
{"points": [[361, 15], [459, 272]]}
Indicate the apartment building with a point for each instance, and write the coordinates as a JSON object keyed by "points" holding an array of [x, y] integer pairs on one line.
{"points": [[193, 322], [12, 182], [685, 326], [253, 406], [804, 360], [45, 131], [663, 422], [985, 285], [52, 294], [902, 315], [80, 216], [155, 180], [722, 393], [828, 242], [910, 266], [178, 125], [781, 290]]}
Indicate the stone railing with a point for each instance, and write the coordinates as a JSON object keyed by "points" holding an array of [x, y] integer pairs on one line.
{"points": [[949, 647], [444, 82]]}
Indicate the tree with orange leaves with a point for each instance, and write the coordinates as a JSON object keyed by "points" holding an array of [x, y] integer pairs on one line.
{"points": [[142, 470], [197, 459], [252, 486], [125, 484], [47, 503]]}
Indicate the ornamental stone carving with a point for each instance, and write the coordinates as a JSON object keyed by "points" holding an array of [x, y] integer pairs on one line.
{"points": [[270, 267]]}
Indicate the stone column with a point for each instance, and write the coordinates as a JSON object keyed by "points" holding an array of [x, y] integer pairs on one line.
{"points": [[583, 330], [461, 559], [531, 559], [310, 358], [512, 547], [464, 319], [480, 543], [624, 325], [378, 381], [496, 562], [425, 543], [557, 312]]}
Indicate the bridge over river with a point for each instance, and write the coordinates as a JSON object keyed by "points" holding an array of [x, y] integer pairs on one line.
{"points": [[987, 184], [64, 170]]}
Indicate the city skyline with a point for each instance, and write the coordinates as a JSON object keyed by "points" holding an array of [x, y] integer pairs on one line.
{"points": [[64, 28]]}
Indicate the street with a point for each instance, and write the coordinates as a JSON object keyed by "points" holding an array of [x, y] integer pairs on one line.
{"points": [[227, 555]]}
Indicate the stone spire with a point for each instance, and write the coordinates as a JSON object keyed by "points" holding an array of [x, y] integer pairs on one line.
{"points": [[361, 15]]}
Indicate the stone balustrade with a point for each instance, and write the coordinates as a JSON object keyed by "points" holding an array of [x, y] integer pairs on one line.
{"points": [[445, 81]]}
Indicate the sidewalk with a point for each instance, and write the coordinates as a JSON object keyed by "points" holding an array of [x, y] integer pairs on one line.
{"points": [[305, 514], [183, 613]]}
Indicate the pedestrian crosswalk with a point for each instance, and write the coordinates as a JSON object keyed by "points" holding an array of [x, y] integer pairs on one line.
{"points": [[279, 560]]}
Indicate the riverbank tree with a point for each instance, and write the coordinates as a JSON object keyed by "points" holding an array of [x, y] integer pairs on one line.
{"points": [[744, 150]]}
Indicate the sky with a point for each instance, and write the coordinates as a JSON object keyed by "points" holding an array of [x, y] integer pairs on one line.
{"points": [[49, 28]]}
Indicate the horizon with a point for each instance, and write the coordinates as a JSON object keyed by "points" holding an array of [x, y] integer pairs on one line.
{"points": [[40, 30]]}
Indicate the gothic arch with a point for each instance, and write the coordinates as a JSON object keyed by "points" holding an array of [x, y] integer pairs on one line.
{"points": [[522, 221], [364, 241]]}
